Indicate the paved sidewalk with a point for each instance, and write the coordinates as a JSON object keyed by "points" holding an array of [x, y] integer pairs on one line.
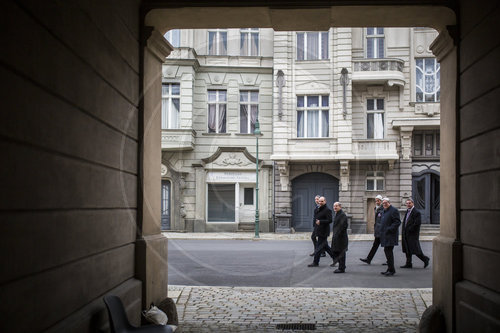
{"points": [[248, 309], [266, 236]]}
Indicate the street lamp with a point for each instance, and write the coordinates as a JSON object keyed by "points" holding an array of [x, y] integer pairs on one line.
{"points": [[257, 134]]}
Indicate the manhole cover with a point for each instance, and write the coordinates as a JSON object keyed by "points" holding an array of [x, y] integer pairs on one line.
{"points": [[297, 326]]}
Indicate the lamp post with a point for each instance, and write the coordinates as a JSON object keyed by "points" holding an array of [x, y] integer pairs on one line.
{"points": [[257, 133]]}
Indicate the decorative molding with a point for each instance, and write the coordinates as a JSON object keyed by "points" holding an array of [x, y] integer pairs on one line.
{"points": [[442, 45], [164, 170], [284, 171], [344, 175], [249, 79], [221, 150], [158, 45], [406, 134], [232, 159]]}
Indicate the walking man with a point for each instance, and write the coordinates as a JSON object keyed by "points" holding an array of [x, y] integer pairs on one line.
{"points": [[314, 236], [376, 243], [410, 235], [339, 239], [323, 218], [389, 234]]}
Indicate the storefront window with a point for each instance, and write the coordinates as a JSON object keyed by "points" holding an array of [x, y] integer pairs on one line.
{"points": [[221, 203]]}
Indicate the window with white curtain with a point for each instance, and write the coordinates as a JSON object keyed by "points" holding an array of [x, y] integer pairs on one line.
{"points": [[217, 42], [249, 42], [312, 116], [249, 110], [427, 75], [375, 118], [217, 100], [375, 181], [170, 108], [173, 37], [312, 45], [375, 43]]}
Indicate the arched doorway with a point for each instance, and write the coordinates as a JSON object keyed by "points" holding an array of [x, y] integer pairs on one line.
{"points": [[425, 189], [304, 189]]}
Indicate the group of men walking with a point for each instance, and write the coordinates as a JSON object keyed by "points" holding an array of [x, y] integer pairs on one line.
{"points": [[386, 231]]}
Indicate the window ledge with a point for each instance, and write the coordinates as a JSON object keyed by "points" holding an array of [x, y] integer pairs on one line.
{"points": [[216, 134], [247, 134]]}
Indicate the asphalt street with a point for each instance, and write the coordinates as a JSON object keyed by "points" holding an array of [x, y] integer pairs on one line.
{"points": [[280, 263]]}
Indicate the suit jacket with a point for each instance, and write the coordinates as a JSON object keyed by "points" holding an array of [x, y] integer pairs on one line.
{"points": [[340, 239], [378, 217], [314, 216], [411, 232], [389, 227], [324, 215]]}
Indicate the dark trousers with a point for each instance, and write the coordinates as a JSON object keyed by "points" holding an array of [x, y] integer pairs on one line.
{"points": [[314, 238], [322, 247], [340, 256], [390, 258], [420, 256], [375, 246]]}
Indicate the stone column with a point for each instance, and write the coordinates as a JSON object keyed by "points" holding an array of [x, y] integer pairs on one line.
{"points": [[151, 245], [447, 259], [405, 165]]}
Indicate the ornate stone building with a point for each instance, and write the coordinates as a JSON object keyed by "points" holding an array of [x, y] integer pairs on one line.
{"points": [[347, 113]]}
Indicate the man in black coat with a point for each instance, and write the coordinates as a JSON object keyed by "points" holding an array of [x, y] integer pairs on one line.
{"points": [[340, 239], [323, 219], [389, 234], [314, 236], [410, 235], [376, 243]]}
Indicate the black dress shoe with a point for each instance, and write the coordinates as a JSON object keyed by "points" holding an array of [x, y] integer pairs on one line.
{"points": [[384, 264], [339, 271], [384, 273], [365, 260], [407, 266], [313, 265], [389, 273], [323, 255], [426, 262], [333, 265], [312, 254]]}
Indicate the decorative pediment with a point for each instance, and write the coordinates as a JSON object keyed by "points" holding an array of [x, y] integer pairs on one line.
{"points": [[217, 78], [170, 71], [230, 158], [249, 79], [312, 86]]}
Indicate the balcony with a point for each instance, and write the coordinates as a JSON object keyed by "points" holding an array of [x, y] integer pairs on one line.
{"points": [[375, 150], [177, 139], [388, 71]]}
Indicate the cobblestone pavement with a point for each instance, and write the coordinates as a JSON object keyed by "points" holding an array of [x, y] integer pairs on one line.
{"points": [[248, 309]]}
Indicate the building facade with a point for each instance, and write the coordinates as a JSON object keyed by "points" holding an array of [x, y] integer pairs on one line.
{"points": [[347, 113]]}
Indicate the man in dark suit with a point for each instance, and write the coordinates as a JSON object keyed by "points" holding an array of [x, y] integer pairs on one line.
{"points": [[323, 219], [389, 234], [314, 236], [410, 235], [376, 243], [340, 239]]}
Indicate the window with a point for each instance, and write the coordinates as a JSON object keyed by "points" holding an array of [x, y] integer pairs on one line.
{"points": [[173, 37], [170, 97], [375, 181], [426, 144], [312, 116], [375, 43], [249, 42], [312, 45], [248, 196], [249, 111], [375, 118], [217, 42], [216, 111], [165, 204], [427, 75], [221, 203]]}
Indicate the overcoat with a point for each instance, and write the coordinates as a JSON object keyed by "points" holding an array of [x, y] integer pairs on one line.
{"points": [[378, 217], [389, 227], [324, 215], [340, 239], [411, 232]]}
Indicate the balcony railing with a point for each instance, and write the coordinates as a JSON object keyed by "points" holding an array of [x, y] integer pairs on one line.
{"points": [[375, 149], [178, 139], [378, 70]]}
